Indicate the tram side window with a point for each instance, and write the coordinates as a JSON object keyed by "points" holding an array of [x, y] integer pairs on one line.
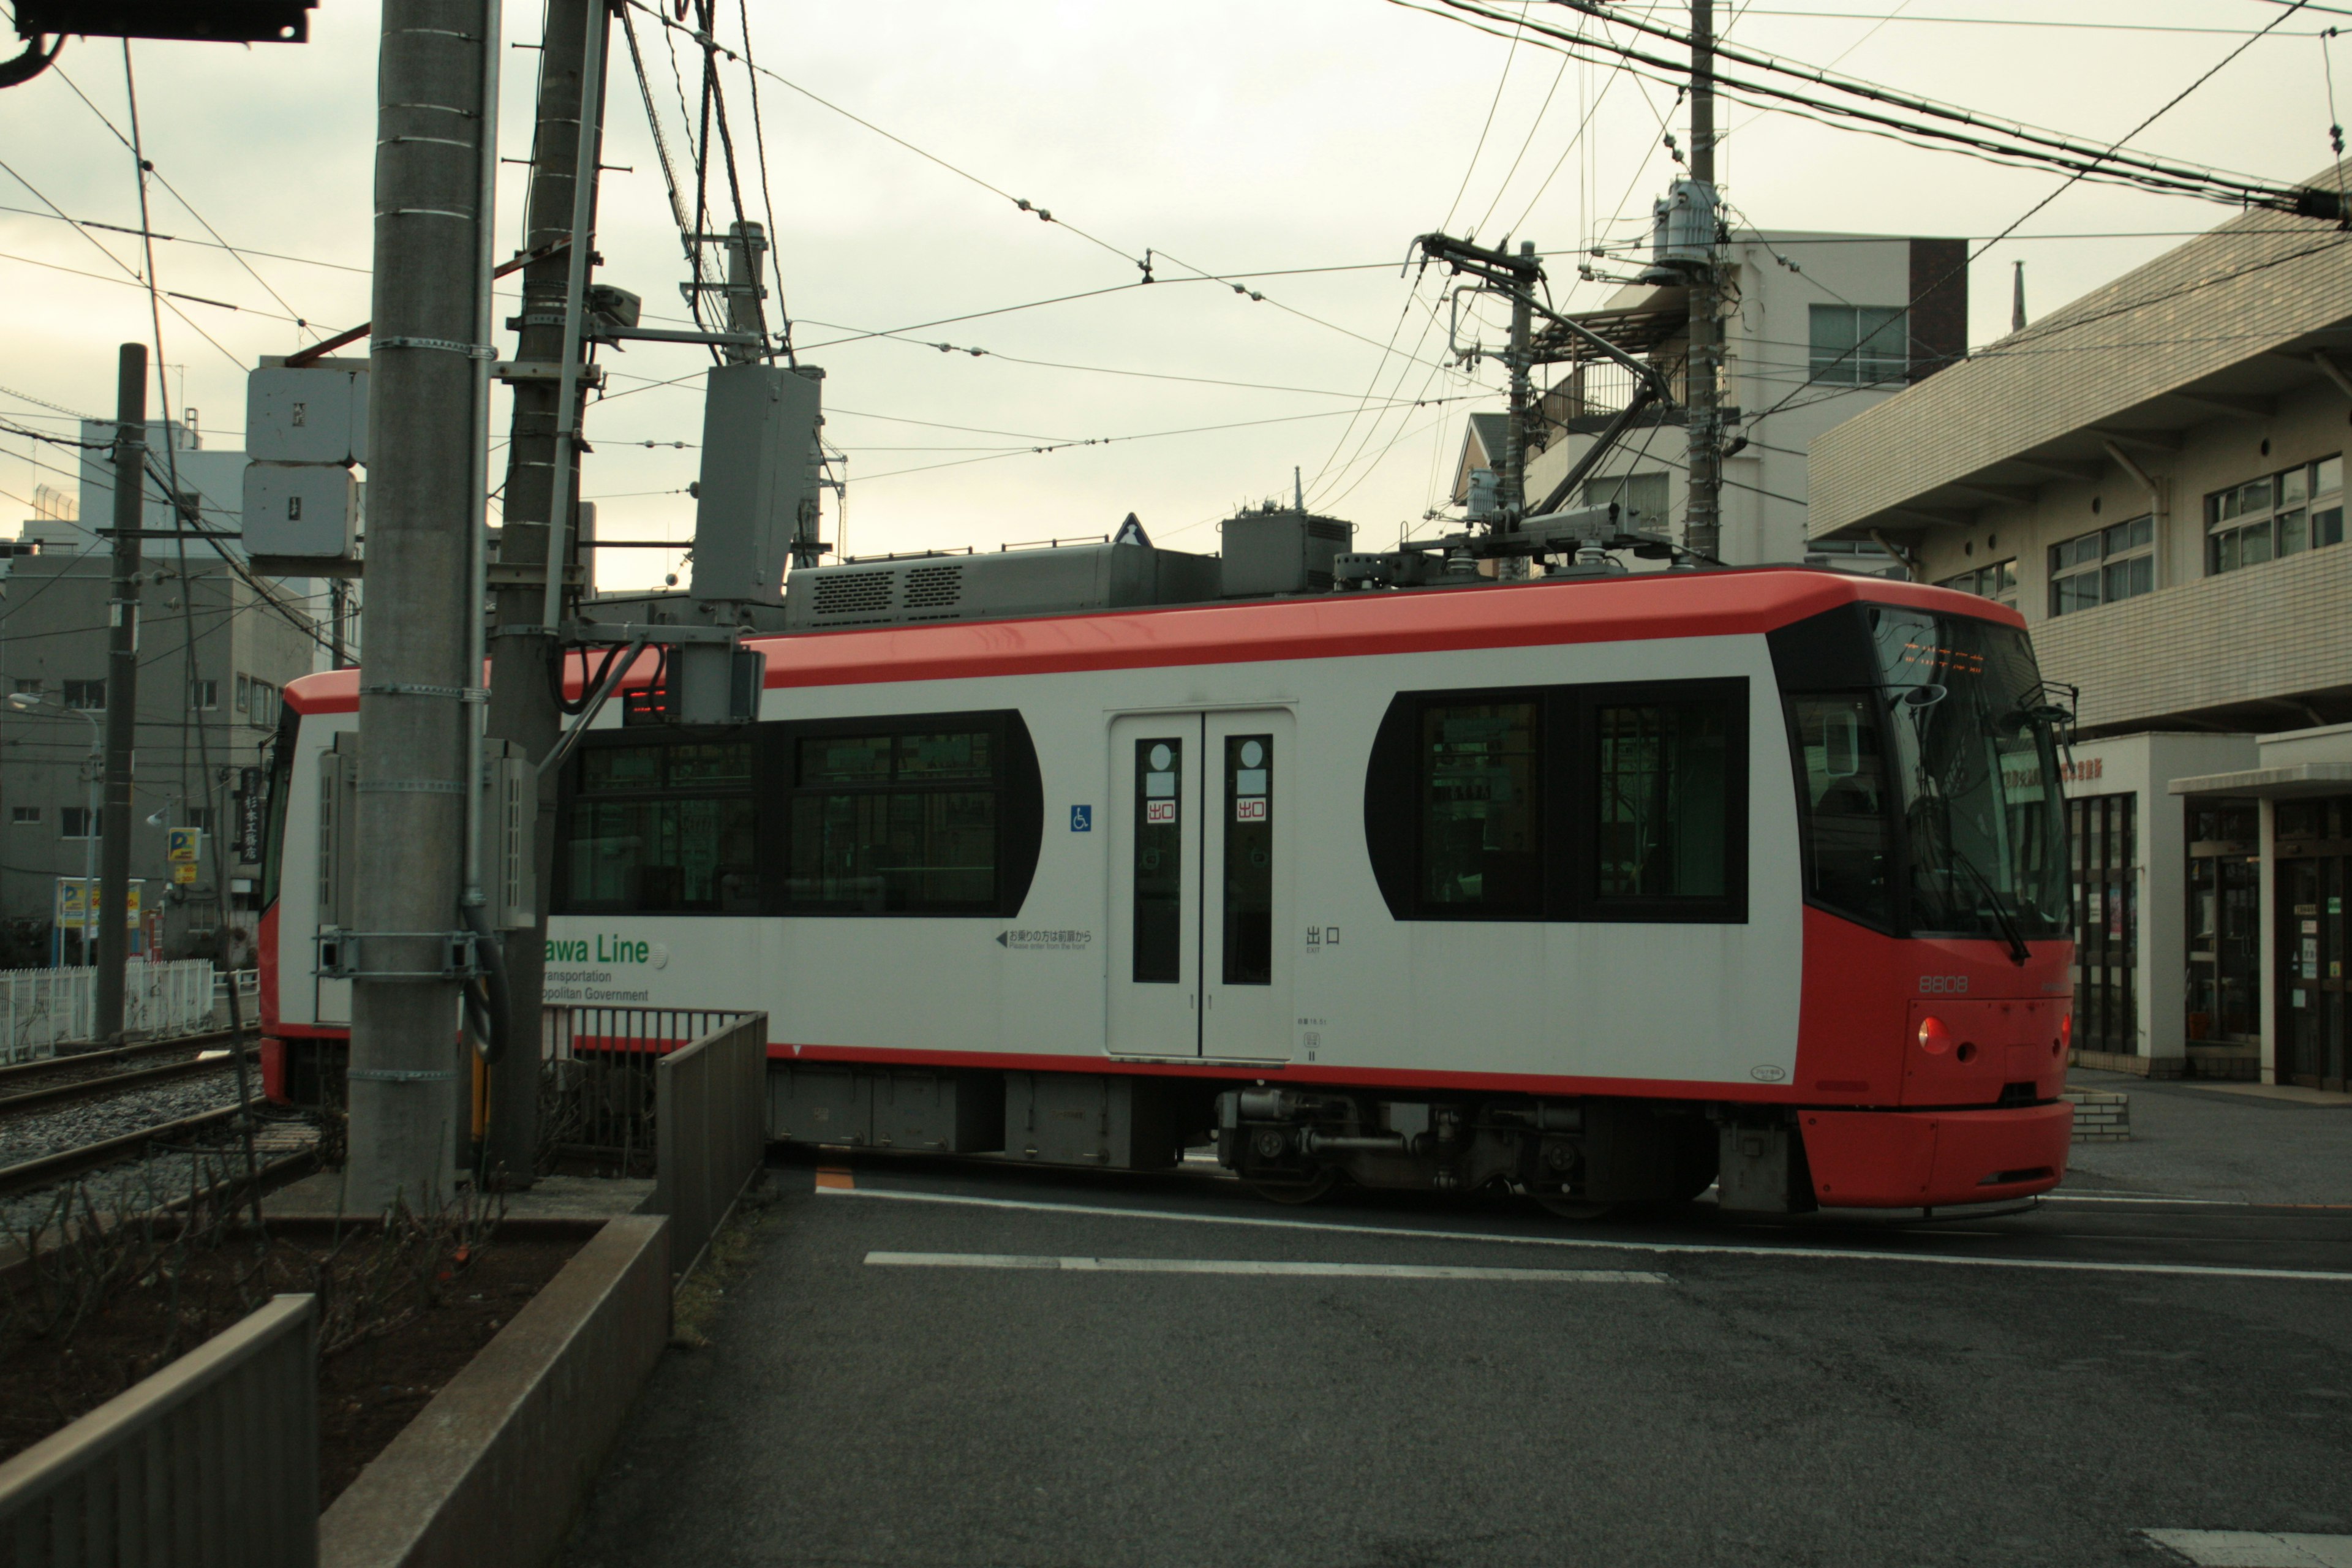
{"points": [[1481, 809], [895, 821], [1846, 805], [1662, 802], [664, 827]]}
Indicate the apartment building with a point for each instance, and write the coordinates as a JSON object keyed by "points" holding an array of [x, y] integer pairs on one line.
{"points": [[1817, 329], [2154, 476], [202, 725]]}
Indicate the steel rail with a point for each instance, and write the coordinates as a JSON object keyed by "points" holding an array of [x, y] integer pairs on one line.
{"points": [[48, 1168], [16, 1072], [113, 1083]]}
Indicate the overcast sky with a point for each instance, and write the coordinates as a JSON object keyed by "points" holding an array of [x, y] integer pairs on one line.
{"points": [[1230, 137]]}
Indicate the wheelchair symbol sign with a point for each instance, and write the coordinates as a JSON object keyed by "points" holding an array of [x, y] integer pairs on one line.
{"points": [[1082, 819]]}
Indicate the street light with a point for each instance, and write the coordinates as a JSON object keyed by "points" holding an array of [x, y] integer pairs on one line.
{"points": [[30, 703]]}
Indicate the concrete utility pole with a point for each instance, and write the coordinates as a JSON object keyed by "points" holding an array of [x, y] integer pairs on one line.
{"points": [[1703, 527], [1513, 479], [431, 118], [121, 686], [525, 654]]}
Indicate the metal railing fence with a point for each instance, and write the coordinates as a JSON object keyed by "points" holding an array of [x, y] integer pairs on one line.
{"points": [[211, 1463], [597, 1097], [711, 1128], [41, 1009]]}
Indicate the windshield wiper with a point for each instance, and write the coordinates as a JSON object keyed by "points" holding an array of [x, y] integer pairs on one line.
{"points": [[2017, 952]]}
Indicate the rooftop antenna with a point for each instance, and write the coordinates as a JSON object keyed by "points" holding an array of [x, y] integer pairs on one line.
{"points": [[2017, 300]]}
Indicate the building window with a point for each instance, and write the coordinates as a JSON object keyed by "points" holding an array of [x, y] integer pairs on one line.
{"points": [[24, 817], [245, 694], [2107, 909], [1641, 500], [2285, 513], [663, 828], [2100, 567], [29, 685], [204, 695], [1997, 582], [2225, 936], [1860, 345], [77, 822], [89, 696], [262, 703], [197, 817]]}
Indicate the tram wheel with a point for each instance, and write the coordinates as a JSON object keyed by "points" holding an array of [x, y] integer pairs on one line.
{"points": [[1567, 1207], [1305, 1192]]}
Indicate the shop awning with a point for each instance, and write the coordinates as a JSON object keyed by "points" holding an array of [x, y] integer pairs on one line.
{"points": [[2273, 783]]}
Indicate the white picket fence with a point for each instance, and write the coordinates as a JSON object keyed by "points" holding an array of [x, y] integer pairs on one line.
{"points": [[41, 1009]]}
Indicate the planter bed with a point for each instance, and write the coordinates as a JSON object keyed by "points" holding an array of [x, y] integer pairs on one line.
{"points": [[398, 1324]]}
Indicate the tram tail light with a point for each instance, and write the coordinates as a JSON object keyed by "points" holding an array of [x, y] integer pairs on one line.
{"points": [[1933, 1038], [2065, 1031]]}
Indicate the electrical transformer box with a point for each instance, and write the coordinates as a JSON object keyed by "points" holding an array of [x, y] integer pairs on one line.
{"points": [[1286, 552], [306, 509], [317, 413], [759, 482]]}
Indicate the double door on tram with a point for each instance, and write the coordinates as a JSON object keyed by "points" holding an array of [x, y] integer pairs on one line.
{"points": [[1204, 821], [2314, 842]]}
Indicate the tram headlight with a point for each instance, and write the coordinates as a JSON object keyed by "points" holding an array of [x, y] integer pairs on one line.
{"points": [[1933, 1038]]}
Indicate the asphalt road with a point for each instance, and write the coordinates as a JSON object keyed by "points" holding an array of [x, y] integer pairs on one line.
{"points": [[946, 1367]]}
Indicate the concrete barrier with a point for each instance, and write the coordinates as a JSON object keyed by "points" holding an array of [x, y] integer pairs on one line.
{"points": [[710, 1110], [495, 1469], [212, 1461]]}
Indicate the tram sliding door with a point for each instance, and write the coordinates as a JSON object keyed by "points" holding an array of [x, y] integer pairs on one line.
{"points": [[1155, 885], [1201, 885]]}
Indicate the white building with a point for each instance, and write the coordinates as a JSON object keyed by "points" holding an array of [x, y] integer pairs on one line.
{"points": [[1817, 327]]}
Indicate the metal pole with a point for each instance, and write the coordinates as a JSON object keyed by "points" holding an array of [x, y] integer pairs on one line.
{"points": [[121, 687], [411, 792], [337, 602], [1703, 527], [1514, 476], [524, 647], [590, 111]]}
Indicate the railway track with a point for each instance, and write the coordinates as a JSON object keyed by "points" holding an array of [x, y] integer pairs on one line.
{"points": [[94, 1074]]}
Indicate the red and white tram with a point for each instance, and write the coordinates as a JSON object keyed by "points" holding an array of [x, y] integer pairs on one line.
{"points": [[1593, 887]]}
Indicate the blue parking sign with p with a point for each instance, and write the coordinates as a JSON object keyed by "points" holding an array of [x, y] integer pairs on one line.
{"points": [[1082, 819]]}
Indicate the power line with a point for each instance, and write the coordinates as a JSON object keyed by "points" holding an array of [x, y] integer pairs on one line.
{"points": [[135, 283], [146, 167], [184, 239], [118, 261], [1141, 436]]}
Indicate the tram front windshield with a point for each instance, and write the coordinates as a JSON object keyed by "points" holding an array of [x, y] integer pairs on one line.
{"points": [[1975, 776]]}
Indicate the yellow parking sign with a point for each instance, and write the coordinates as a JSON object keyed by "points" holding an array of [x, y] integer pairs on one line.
{"points": [[179, 845], [183, 873]]}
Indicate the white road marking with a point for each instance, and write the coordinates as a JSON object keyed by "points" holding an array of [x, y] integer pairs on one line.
{"points": [[1258, 1267], [1661, 1248], [2252, 1549]]}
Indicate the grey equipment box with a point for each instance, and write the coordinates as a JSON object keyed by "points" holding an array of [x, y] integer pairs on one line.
{"points": [[317, 413], [1066, 579], [943, 1113], [1080, 1119], [1264, 553], [305, 510], [820, 1105]]}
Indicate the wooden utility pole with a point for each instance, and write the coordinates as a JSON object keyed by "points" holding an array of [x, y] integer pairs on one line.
{"points": [[121, 688], [1703, 526], [407, 958]]}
